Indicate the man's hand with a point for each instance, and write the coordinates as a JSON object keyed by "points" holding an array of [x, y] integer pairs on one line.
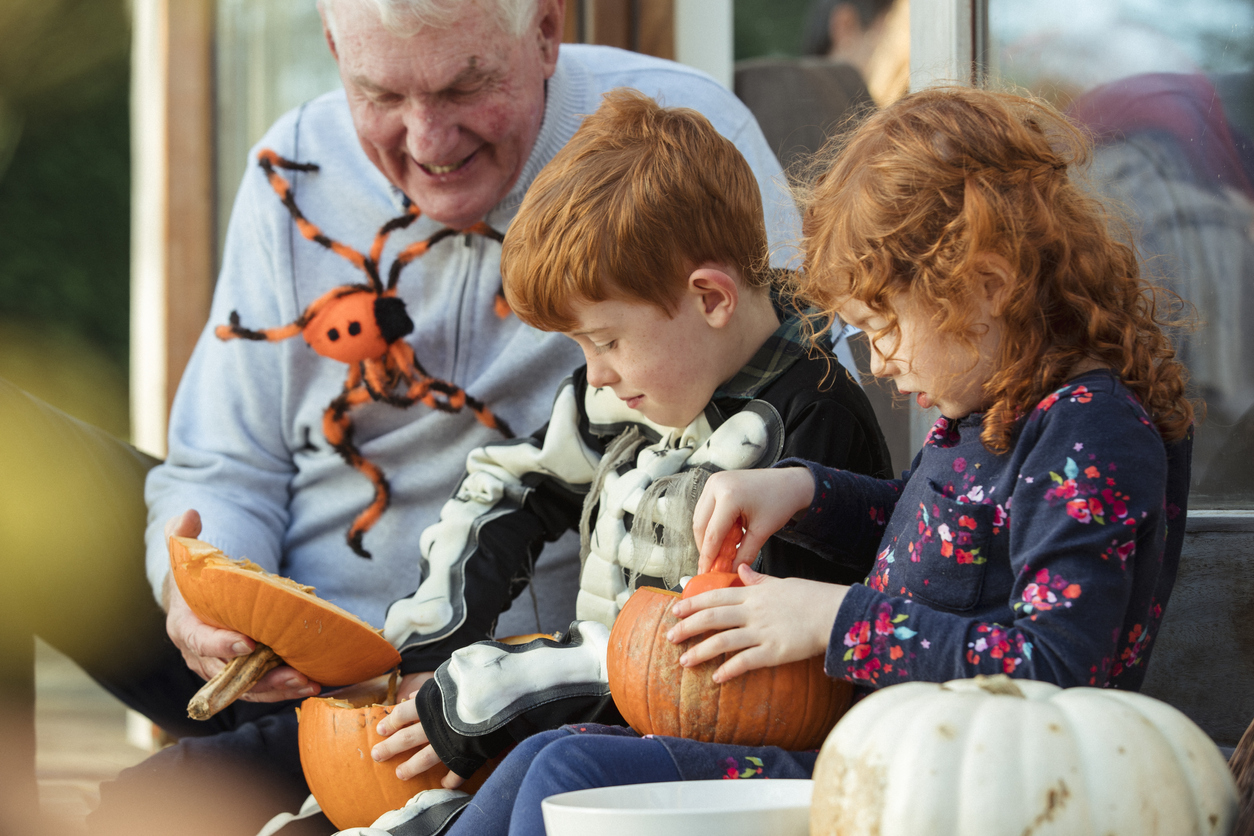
{"points": [[404, 732], [206, 648]]}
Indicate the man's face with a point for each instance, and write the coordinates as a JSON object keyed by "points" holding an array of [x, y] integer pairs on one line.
{"points": [[448, 115]]}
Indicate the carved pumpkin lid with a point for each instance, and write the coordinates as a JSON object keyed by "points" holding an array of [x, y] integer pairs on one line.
{"points": [[326, 643]]}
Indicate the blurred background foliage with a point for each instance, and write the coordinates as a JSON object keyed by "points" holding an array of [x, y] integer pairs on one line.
{"points": [[65, 204], [763, 28]]}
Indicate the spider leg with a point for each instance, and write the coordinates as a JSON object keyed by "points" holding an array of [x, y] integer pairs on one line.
{"points": [[337, 426], [457, 398], [423, 387], [274, 335]]}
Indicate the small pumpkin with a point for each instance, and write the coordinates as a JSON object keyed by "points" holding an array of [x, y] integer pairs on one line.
{"points": [[335, 736], [992, 756], [288, 621], [792, 705]]}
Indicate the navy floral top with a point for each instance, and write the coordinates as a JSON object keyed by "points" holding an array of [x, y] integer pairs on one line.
{"points": [[1051, 562]]}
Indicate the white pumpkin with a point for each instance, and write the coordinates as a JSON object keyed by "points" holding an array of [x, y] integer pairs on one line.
{"points": [[992, 756]]}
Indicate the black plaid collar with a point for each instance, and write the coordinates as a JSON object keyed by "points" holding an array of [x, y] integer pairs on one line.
{"points": [[776, 356]]}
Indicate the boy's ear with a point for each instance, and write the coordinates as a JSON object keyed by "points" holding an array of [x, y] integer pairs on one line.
{"points": [[716, 292], [996, 280]]}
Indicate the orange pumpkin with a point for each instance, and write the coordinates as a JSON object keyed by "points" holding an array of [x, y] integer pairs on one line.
{"points": [[324, 642], [335, 737], [792, 706]]}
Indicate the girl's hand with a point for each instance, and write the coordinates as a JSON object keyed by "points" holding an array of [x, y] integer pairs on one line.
{"points": [[404, 732], [767, 622], [765, 499]]}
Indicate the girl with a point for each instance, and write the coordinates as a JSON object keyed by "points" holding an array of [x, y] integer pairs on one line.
{"points": [[1038, 530]]}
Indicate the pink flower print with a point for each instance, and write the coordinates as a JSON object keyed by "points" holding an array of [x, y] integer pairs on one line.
{"points": [[858, 634], [1092, 472], [976, 494], [1078, 446], [883, 624], [1078, 509], [1063, 490], [960, 464], [1126, 550], [999, 516]]}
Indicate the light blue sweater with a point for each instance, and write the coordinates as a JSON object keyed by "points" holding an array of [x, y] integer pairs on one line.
{"points": [[246, 445]]}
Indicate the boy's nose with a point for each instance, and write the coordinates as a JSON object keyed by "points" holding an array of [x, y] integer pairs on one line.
{"points": [[600, 374]]}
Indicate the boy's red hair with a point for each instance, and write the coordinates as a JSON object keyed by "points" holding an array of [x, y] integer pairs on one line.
{"points": [[639, 197], [923, 189]]}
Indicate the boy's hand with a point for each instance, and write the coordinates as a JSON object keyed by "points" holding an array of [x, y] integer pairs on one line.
{"points": [[765, 500], [767, 622], [404, 732], [206, 648]]}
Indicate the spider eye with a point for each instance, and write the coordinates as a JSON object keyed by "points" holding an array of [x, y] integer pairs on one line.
{"points": [[354, 328], [333, 334]]}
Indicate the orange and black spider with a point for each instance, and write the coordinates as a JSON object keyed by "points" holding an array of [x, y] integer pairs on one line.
{"points": [[363, 325]]}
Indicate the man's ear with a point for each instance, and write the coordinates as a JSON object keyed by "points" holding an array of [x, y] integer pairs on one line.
{"points": [[551, 27], [326, 30], [716, 292], [996, 281]]}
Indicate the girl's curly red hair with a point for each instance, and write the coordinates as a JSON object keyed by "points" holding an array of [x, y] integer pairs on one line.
{"points": [[917, 197]]}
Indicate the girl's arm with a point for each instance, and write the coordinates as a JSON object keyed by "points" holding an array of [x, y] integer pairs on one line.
{"points": [[829, 509]]}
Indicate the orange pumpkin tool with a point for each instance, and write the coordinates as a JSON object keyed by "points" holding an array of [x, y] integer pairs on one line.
{"points": [[720, 575], [793, 705], [288, 622]]}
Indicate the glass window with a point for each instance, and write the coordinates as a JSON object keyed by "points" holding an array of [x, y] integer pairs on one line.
{"points": [[270, 56], [1167, 90]]}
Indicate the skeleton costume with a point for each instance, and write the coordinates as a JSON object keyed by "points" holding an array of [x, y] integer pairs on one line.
{"points": [[629, 486]]}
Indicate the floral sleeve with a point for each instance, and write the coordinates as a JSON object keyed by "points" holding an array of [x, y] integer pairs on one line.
{"points": [[849, 512], [1049, 570]]}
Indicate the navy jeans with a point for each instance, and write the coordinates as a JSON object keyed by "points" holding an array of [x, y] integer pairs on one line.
{"points": [[552, 762]]}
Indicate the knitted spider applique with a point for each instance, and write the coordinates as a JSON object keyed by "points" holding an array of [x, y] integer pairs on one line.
{"points": [[363, 325]]}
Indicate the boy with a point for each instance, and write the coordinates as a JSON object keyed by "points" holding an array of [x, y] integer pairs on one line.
{"points": [[644, 241]]}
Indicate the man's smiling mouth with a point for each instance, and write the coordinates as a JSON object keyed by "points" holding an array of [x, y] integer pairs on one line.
{"points": [[445, 169]]}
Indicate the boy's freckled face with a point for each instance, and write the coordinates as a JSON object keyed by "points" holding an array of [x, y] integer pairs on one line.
{"points": [[665, 367]]}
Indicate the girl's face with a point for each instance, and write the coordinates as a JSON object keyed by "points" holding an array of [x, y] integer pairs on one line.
{"points": [[936, 368]]}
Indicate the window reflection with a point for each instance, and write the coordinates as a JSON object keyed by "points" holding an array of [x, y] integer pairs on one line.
{"points": [[1167, 91]]}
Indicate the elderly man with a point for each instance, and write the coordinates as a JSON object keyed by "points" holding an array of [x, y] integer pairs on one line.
{"points": [[450, 109]]}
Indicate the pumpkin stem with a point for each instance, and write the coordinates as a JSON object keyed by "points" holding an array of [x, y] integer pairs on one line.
{"points": [[240, 674], [391, 698], [998, 684]]}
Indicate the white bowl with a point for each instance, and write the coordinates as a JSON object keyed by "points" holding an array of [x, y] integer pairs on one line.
{"points": [[750, 807]]}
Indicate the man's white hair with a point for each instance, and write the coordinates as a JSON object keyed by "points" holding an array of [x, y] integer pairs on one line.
{"points": [[407, 17]]}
